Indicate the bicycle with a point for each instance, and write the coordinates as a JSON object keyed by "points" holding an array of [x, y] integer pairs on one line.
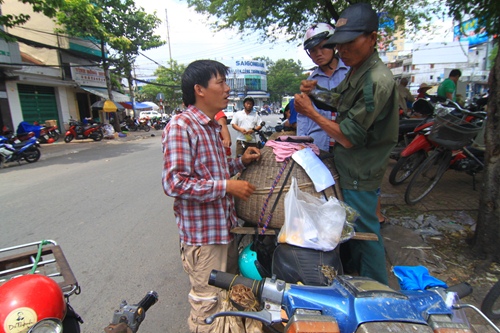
{"points": [[454, 128], [490, 305]]}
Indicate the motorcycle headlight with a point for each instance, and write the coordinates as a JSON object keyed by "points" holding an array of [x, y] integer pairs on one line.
{"points": [[48, 325]]}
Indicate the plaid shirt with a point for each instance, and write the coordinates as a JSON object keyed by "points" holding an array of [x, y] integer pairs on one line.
{"points": [[195, 170]]}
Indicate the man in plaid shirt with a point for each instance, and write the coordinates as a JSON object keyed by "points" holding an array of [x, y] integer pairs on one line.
{"points": [[196, 172]]}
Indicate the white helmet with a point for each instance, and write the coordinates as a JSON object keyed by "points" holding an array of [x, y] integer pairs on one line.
{"points": [[317, 33]]}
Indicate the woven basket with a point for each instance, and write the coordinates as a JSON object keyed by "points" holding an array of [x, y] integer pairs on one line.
{"points": [[262, 174]]}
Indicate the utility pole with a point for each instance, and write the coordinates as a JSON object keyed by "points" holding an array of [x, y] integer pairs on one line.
{"points": [[168, 38]]}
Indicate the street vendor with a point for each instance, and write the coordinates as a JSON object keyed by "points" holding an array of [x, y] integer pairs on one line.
{"points": [[365, 131]]}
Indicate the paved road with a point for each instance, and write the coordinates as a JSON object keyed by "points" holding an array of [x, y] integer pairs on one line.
{"points": [[104, 204]]}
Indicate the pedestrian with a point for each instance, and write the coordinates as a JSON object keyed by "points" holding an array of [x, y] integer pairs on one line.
{"points": [[422, 90], [289, 117], [330, 71], [245, 121], [405, 96], [196, 173], [448, 88], [225, 136], [365, 131]]}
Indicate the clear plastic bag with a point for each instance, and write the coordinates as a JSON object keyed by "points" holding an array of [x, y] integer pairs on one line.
{"points": [[311, 222]]}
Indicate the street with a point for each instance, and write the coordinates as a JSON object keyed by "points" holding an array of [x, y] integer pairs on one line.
{"points": [[103, 203]]}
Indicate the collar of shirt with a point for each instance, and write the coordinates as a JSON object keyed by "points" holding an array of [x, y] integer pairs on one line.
{"points": [[365, 67]]}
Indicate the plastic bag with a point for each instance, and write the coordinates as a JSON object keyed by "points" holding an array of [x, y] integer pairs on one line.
{"points": [[311, 222]]}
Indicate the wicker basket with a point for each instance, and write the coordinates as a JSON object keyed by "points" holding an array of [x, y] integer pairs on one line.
{"points": [[453, 132], [263, 173]]}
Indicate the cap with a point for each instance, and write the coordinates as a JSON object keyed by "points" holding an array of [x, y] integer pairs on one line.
{"points": [[249, 98], [424, 87], [354, 21]]}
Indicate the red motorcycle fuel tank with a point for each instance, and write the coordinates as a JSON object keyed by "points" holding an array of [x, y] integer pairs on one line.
{"points": [[27, 299]]}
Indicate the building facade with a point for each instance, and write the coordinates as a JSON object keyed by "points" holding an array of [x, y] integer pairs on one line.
{"points": [[247, 78], [46, 76]]}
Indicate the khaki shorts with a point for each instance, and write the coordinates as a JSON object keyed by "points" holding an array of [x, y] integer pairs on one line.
{"points": [[205, 300]]}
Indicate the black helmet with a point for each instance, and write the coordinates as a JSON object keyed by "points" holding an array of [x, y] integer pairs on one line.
{"points": [[249, 98]]}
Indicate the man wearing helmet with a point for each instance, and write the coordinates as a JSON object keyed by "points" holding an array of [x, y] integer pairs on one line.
{"points": [[365, 131], [329, 73], [245, 121]]}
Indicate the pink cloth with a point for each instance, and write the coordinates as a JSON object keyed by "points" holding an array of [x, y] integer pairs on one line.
{"points": [[283, 150]]}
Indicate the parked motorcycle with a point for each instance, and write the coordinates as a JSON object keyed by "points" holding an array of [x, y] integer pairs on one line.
{"points": [[80, 131], [453, 130], [349, 304], [137, 125], [36, 283], [15, 138], [16, 152]]}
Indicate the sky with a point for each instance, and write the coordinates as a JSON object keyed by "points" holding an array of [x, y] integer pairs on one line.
{"points": [[191, 39]]}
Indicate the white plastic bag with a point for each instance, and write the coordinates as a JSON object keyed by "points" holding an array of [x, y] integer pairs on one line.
{"points": [[311, 222]]}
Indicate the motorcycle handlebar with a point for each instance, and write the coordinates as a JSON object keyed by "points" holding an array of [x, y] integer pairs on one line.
{"points": [[148, 301], [462, 289], [225, 281]]}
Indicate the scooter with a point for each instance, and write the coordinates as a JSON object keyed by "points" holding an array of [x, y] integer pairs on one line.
{"points": [[350, 304], [80, 131], [16, 152], [36, 283]]}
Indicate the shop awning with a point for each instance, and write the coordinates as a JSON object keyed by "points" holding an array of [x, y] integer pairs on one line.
{"points": [[103, 92], [138, 106]]}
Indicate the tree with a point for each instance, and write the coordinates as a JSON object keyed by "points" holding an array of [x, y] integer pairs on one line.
{"points": [[485, 241], [117, 23], [283, 79], [168, 82], [47, 7], [274, 18]]}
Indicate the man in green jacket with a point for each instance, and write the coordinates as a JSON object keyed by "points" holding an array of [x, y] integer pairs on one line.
{"points": [[365, 131]]}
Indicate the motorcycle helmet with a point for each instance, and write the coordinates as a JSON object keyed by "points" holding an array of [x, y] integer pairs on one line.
{"points": [[317, 33], [28, 300], [249, 98]]}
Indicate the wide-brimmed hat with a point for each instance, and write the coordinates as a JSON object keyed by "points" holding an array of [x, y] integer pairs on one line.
{"points": [[423, 87], [354, 21]]}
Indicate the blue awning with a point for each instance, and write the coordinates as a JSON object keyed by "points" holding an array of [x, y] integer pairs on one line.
{"points": [[138, 106]]}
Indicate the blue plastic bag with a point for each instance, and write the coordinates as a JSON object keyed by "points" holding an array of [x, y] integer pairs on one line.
{"points": [[416, 278]]}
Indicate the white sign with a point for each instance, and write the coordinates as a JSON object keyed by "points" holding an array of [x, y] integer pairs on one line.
{"points": [[88, 76]]}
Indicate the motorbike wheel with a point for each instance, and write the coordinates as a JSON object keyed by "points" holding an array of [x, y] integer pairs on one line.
{"points": [[405, 167], [55, 136], [427, 176], [32, 155], [68, 138], [491, 303], [98, 136], [147, 128], [133, 128]]}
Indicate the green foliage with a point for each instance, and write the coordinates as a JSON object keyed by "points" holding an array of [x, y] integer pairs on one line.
{"points": [[171, 79], [283, 78], [275, 18], [46, 7], [493, 56]]}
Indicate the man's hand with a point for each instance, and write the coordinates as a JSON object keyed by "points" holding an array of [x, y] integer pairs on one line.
{"points": [[306, 86], [303, 105], [250, 155], [239, 188]]}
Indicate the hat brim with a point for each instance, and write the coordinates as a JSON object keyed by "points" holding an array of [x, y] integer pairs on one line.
{"points": [[342, 37]]}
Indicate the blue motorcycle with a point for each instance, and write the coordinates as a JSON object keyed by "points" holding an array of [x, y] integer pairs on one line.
{"points": [[351, 304], [16, 152]]}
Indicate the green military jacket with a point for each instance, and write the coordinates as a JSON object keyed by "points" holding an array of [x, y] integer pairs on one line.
{"points": [[368, 117]]}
